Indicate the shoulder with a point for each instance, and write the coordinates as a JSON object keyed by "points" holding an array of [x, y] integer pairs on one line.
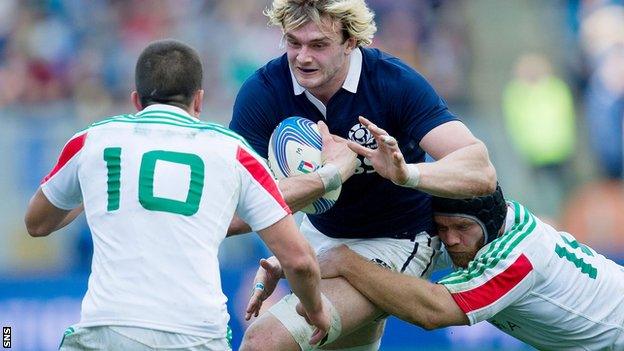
{"points": [[124, 118], [382, 65], [391, 75], [521, 226], [224, 133], [106, 124], [517, 238]]}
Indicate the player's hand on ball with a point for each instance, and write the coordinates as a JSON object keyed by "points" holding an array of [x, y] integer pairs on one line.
{"points": [[319, 319], [387, 159], [268, 275], [336, 151]]}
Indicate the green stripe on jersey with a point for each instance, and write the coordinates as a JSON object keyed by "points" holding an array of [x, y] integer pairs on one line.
{"points": [[167, 118], [524, 224], [166, 113], [110, 119]]}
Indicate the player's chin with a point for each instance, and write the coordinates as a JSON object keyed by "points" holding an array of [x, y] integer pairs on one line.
{"points": [[308, 81], [461, 259]]}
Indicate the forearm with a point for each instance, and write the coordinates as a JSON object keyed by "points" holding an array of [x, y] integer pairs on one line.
{"points": [[304, 282], [297, 260], [238, 226], [70, 217], [42, 218], [300, 191], [463, 173], [411, 299]]}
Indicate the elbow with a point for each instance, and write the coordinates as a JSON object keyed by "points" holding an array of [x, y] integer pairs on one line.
{"points": [[427, 320], [300, 264], [431, 313], [490, 179], [487, 173], [36, 229], [428, 326], [300, 267], [432, 321]]}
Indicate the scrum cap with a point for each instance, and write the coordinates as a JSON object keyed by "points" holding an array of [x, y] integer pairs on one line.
{"points": [[488, 211]]}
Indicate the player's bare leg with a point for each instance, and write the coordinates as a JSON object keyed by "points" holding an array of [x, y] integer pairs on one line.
{"points": [[366, 335], [355, 310]]}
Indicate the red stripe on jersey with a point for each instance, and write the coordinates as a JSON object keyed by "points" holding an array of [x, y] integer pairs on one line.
{"points": [[260, 174], [70, 150], [494, 288]]}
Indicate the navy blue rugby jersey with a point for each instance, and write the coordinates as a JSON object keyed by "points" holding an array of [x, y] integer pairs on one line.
{"points": [[391, 95]]}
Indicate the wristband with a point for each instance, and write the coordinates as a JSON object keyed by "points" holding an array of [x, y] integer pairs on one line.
{"points": [[259, 286], [413, 176], [330, 176]]}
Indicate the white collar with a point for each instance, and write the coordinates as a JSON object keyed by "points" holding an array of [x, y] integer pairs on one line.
{"points": [[353, 76], [510, 219], [166, 108]]}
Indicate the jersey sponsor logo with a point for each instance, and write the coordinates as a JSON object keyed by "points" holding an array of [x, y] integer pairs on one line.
{"points": [[506, 326], [361, 135]]}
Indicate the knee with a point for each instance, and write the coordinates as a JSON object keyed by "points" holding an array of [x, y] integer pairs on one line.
{"points": [[255, 339]]}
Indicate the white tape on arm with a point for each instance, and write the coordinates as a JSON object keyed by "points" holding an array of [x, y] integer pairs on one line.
{"points": [[330, 175], [413, 176]]}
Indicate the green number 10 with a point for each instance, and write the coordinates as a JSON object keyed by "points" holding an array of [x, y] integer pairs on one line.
{"points": [[147, 199]]}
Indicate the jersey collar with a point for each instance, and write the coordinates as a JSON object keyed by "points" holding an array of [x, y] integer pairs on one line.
{"points": [[510, 219], [166, 108], [353, 76]]}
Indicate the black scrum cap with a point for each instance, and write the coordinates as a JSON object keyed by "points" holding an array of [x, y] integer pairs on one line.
{"points": [[488, 211]]}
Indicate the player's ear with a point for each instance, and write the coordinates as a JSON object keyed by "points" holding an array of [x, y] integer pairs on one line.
{"points": [[136, 101], [351, 44], [198, 101]]}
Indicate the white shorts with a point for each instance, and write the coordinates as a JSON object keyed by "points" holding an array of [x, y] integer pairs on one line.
{"points": [[134, 338], [413, 257]]}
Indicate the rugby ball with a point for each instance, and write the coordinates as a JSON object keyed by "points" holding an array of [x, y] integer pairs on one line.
{"points": [[295, 149]]}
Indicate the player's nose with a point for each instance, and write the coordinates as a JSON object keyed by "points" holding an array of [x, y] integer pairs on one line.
{"points": [[450, 238], [304, 55]]}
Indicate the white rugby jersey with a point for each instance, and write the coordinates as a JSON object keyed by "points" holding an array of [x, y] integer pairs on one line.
{"points": [[543, 287], [159, 190]]}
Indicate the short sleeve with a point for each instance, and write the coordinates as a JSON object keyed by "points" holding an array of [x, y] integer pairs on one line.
{"points": [[488, 286], [260, 204], [61, 186], [420, 107]]}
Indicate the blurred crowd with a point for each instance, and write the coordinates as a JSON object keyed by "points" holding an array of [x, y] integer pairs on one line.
{"points": [[67, 63], [83, 52]]}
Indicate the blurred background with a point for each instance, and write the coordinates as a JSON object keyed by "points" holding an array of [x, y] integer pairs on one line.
{"points": [[541, 82]]}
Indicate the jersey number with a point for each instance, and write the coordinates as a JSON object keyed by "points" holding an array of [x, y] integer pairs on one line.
{"points": [[585, 267], [112, 157]]}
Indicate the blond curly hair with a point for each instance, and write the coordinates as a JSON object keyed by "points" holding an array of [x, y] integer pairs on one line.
{"points": [[356, 18]]}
